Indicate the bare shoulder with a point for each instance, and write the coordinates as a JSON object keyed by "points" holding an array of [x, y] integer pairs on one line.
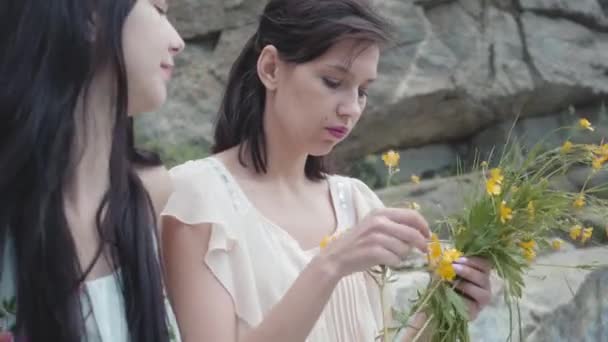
{"points": [[157, 182]]}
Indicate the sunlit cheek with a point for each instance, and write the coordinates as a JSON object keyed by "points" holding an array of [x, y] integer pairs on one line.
{"points": [[362, 105]]}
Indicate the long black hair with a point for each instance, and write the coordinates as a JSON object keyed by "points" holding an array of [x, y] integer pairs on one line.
{"points": [[301, 30], [50, 51]]}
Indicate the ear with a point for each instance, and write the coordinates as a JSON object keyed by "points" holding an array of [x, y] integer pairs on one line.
{"points": [[92, 28], [268, 67]]}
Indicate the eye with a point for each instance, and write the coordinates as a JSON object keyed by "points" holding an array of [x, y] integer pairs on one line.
{"points": [[331, 83], [160, 10], [363, 93]]}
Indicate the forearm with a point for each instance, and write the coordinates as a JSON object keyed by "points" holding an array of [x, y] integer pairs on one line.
{"points": [[294, 316]]}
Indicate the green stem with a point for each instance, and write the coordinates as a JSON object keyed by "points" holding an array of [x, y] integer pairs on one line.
{"points": [[385, 337], [580, 267], [423, 328], [426, 299], [390, 175]]}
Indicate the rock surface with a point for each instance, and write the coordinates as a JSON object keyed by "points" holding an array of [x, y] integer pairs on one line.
{"points": [[456, 67]]}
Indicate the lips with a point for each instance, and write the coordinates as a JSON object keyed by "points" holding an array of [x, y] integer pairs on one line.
{"points": [[338, 132], [168, 69]]}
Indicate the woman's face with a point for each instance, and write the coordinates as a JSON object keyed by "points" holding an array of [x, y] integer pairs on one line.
{"points": [[318, 103], [150, 43]]}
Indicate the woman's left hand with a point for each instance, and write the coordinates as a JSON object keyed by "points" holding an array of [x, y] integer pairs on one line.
{"points": [[473, 283]]}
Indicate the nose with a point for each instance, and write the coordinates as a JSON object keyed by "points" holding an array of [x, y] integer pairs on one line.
{"points": [[177, 44], [177, 47], [351, 106]]}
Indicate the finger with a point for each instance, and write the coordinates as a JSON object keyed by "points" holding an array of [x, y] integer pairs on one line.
{"points": [[407, 234], [394, 245], [473, 309], [408, 217], [472, 275], [384, 256], [473, 292], [481, 264]]}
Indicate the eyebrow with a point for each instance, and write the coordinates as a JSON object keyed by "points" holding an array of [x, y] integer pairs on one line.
{"points": [[164, 3], [345, 70]]}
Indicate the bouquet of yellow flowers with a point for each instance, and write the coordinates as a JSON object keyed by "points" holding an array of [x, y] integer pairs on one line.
{"points": [[512, 214]]}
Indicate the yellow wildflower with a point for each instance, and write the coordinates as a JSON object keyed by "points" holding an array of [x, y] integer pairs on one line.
{"points": [[529, 254], [557, 244], [531, 209], [434, 250], [494, 183], [493, 188], [587, 233], [391, 158], [446, 270], [506, 213], [598, 162], [585, 124], [566, 147], [579, 202], [602, 150], [598, 150], [325, 241], [415, 206], [530, 244], [415, 179], [496, 174], [575, 232], [451, 255], [528, 249]]}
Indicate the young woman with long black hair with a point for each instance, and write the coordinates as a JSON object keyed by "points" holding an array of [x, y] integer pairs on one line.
{"points": [[78, 201]]}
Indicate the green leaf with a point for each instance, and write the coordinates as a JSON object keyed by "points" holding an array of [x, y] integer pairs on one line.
{"points": [[457, 302]]}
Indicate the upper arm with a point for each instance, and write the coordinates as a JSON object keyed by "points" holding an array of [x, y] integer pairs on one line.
{"points": [[202, 306], [158, 183]]}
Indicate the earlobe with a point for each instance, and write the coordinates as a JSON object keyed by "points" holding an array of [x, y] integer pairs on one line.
{"points": [[92, 28], [268, 66]]}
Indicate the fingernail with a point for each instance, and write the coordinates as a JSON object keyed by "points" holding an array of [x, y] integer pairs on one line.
{"points": [[457, 267], [462, 260]]}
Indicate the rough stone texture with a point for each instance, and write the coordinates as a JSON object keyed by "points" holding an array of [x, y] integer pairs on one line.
{"points": [[456, 67], [479, 62], [426, 162], [439, 160], [584, 318], [436, 197], [199, 18]]}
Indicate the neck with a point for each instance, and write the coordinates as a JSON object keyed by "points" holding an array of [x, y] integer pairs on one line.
{"points": [[94, 119], [286, 159]]}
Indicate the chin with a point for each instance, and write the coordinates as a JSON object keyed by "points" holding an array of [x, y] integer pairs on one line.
{"points": [[154, 100], [321, 151]]}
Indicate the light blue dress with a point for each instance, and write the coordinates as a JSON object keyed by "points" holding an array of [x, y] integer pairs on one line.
{"points": [[102, 302]]}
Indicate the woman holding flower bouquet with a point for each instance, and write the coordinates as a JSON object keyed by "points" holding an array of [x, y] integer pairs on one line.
{"points": [[78, 256], [260, 242]]}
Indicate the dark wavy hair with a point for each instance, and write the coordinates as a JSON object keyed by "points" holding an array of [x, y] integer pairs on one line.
{"points": [[51, 50], [301, 30]]}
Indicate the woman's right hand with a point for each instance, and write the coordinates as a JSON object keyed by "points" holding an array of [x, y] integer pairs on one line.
{"points": [[384, 237]]}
